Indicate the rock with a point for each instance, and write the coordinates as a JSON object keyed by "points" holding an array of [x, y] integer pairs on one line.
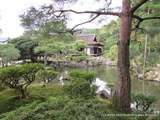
{"points": [[158, 65], [157, 79], [61, 80], [102, 89], [133, 105], [153, 74], [139, 76], [104, 94]]}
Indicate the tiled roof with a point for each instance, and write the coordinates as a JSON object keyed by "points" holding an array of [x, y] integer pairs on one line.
{"points": [[89, 39]]}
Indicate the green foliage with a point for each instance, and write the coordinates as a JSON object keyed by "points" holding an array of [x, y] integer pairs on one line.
{"points": [[9, 101], [46, 30], [86, 75], [29, 71], [52, 103], [135, 49], [108, 34], [10, 76], [153, 58], [22, 110], [79, 44], [51, 27], [157, 117], [143, 103], [40, 91], [41, 20], [47, 75], [55, 47], [151, 27], [61, 108], [50, 46], [113, 53], [19, 77], [80, 86], [57, 106], [81, 57], [78, 57], [80, 89], [8, 53], [26, 46], [1, 87]]}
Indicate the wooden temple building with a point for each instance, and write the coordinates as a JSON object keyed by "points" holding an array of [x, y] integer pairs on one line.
{"points": [[93, 47]]}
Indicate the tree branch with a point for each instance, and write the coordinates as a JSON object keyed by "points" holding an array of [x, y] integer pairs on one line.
{"points": [[140, 20], [151, 18], [138, 5], [97, 14], [72, 30], [88, 21], [90, 12]]}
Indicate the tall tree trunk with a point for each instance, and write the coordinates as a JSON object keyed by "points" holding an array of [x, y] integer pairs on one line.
{"points": [[122, 95]]}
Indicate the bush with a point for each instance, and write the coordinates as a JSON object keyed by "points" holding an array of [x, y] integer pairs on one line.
{"points": [[143, 103], [11, 77], [80, 89], [19, 77], [79, 57], [57, 106], [1, 87], [80, 85], [46, 75], [153, 58], [142, 106], [79, 74], [62, 108]]}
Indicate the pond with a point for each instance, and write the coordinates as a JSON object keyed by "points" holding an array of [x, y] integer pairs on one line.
{"points": [[108, 74]]}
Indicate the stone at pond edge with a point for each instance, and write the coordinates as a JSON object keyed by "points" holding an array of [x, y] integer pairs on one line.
{"points": [[153, 74]]}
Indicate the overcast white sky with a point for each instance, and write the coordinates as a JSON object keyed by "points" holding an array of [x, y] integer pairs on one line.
{"points": [[11, 9]]}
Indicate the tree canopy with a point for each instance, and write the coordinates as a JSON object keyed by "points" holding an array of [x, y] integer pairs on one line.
{"points": [[8, 53]]}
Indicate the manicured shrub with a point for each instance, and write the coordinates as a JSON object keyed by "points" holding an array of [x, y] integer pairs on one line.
{"points": [[80, 85], [11, 77], [82, 74], [19, 77], [54, 106], [80, 88], [62, 108], [46, 75]]}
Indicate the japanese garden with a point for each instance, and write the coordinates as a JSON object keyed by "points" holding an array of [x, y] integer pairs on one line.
{"points": [[58, 69]]}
